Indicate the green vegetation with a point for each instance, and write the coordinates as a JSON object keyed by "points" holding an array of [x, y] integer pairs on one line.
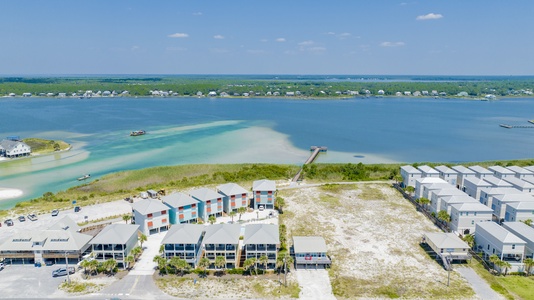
{"points": [[76, 287], [42, 146], [307, 88], [493, 281]]}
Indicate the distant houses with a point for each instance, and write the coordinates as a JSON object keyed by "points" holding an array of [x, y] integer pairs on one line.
{"points": [[13, 148]]}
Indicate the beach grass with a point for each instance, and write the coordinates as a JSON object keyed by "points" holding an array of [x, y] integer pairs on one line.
{"points": [[42, 146]]}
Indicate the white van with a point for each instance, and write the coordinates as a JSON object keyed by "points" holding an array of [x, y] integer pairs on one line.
{"points": [[144, 195]]}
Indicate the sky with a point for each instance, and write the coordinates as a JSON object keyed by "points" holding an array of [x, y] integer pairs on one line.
{"points": [[382, 37]]}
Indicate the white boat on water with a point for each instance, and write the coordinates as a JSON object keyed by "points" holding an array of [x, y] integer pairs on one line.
{"points": [[84, 177]]}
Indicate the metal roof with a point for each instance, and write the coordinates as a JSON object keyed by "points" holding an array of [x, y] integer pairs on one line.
{"points": [[472, 206], [204, 194], [446, 240], [51, 240], [10, 145], [309, 244], [428, 170], [480, 170], [520, 183], [116, 234], [264, 185], [410, 169], [522, 230], [477, 181], [149, 206], [178, 200], [497, 182], [230, 189], [445, 170], [514, 197], [498, 232], [463, 170], [222, 234], [261, 234], [523, 205], [184, 234], [519, 170], [66, 223]]}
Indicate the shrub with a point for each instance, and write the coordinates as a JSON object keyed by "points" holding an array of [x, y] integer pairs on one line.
{"points": [[235, 271]]}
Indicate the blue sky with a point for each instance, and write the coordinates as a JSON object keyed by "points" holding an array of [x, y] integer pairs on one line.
{"points": [[425, 37]]}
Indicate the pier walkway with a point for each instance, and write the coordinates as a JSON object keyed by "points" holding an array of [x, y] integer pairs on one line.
{"points": [[315, 151], [516, 126]]}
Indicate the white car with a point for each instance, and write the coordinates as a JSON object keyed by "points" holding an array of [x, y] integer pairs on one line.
{"points": [[32, 217], [261, 207]]}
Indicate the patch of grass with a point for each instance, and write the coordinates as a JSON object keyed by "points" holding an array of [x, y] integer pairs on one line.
{"points": [[76, 287], [518, 285], [371, 193], [336, 188], [331, 202], [42, 146]]}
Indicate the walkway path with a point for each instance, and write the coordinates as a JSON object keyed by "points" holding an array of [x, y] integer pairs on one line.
{"points": [[314, 284], [481, 287]]}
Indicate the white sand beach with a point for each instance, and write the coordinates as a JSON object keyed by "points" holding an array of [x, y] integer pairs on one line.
{"points": [[8, 193]]}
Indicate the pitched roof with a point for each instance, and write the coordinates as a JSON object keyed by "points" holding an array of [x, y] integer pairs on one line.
{"points": [[463, 170], [498, 232], [448, 192], [514, 197], [178, 200], [428, 170], [149, 206], [52, 240], [264, 185], [477, 181], [519, 170], [445, 170], [530, 168], [523, 205], [457, 199], [410, 169], [116, 234], [204, 194], [231, 189], [497, 182], [446, 240], [500, 190], [222, 234], [480, 170], [184, 234], [261, 234], [308, 244], [66, 223], [9, 145], [522, 230], [472, 206], [501, 170], [520, 183], [428, 180]]}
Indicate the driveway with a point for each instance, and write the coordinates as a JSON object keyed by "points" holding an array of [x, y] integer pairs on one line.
{"points": [[314, 284], [481, 287]]}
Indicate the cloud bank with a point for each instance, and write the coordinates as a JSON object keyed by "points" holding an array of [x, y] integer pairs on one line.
{"points": [[178, 35], [430, 16]]}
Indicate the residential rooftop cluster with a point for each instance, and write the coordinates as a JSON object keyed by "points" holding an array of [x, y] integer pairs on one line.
{"points": [[495, 204]]}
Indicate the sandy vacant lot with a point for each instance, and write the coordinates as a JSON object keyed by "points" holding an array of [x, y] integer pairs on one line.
{"points": [[373, 237]]}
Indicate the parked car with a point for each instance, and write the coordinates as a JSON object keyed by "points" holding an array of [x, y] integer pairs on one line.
{"points": [[1, 266], [77, 209], [22, 218], [9, 222], [63, 272], [261, 207], [32, 217], [55, 212]]}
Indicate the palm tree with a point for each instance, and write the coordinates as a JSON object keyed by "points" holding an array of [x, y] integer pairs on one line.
{"points": [[92, 266], [179, 264], [529, 263], [248, 263], [506, 265], [264, 260], [129, 260], [85, 265], [423, 201], [469, 239], [126, 218], [136, 252], [203, 264], [494, 259], [232, 214], [398, 178], [162, 263], [409, 189], [241, 211], [109, 265], [161, 249], [528, 222], [280, 203], [212, 219], [220, 262], [444, 216], [142, 239]]}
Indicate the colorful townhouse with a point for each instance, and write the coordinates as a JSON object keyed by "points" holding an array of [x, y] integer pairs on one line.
{"points": [[151, 215], [182, 208], [264, 194], [210, 203], [234, 197], [185, 242]]}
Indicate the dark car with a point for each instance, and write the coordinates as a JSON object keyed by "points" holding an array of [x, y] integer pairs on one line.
{"points": [[55, 212], [62, 272], [9, 222], [77, 209], [22, 219]]}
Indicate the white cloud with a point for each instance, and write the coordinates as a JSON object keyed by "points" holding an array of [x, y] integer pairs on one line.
{"points": [[392, 44], [344, 34], [178, 35], [218, 37], [430, 16], [306, 43], [197, 14], [280, 40]]}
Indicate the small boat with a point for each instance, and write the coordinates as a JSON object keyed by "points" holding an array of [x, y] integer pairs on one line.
{"points": [[531, 121], [505, 126], [84, 177], [137, 132]]}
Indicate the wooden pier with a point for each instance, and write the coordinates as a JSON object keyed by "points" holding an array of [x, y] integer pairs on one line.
{"points": [[315, 151], [507, 126]]}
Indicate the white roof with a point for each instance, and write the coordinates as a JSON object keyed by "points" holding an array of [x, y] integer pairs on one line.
{"points": [[501, 170], [178, 200], [519, 170], [477, 181], [530, 168], [428, 170], [52, 240], [480, 170], [116, 234], [428, 180], [499, 232], [222, 234], [410, 169], [446, 240], [463, 170], [472, 206], [520, 183], [521, 229], [500, 190], [230, 189], [448, 192], [264, 185], [261, 234], [204, 194], [66, 223], [514, 197], [183, 234], [457, 199], [497, 182], [445, 170], [523, 205], [309, 244], [149, 206]]}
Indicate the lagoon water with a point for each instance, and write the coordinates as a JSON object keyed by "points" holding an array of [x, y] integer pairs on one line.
{"points": [[193, 130]]}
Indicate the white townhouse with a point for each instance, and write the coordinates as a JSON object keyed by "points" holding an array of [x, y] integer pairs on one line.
{"points": [[487, 194], [115, 241], [473, 186], [447, 201], [465, 216], [500, 201], [481, 172], [409, 175], [437, 195], [497, 182], [423, 186], [12, 149], [491, 238], [235, 196], [185, 242], [151, 215], [260, 240], [310, 251], [448, 246], [427, 171], [222, 240], [519, 211], [447, 174], [501, 172], [521, 173], [462, 173], [524, 232], [522, 185]]}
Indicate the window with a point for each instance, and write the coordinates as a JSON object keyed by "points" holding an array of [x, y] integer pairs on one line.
{"points": [[475, 213], [164, 221], [513, 246], [163, 212], [150, 224], [149, 216], [193, 205], [488, 246], [472, 222]]}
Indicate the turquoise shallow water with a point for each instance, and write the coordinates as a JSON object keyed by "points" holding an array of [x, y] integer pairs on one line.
{"points": [[192, 130]]}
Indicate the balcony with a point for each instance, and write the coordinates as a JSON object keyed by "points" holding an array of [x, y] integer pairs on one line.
{"points": [[230, 247], [189, 248], [220, 248], [209, 247]]}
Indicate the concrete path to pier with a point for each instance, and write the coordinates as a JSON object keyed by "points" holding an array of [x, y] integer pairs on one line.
{"points": [[481, 287]]}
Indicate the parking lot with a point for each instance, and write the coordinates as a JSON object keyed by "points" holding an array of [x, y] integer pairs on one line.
{"points": [[27, 281]]}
